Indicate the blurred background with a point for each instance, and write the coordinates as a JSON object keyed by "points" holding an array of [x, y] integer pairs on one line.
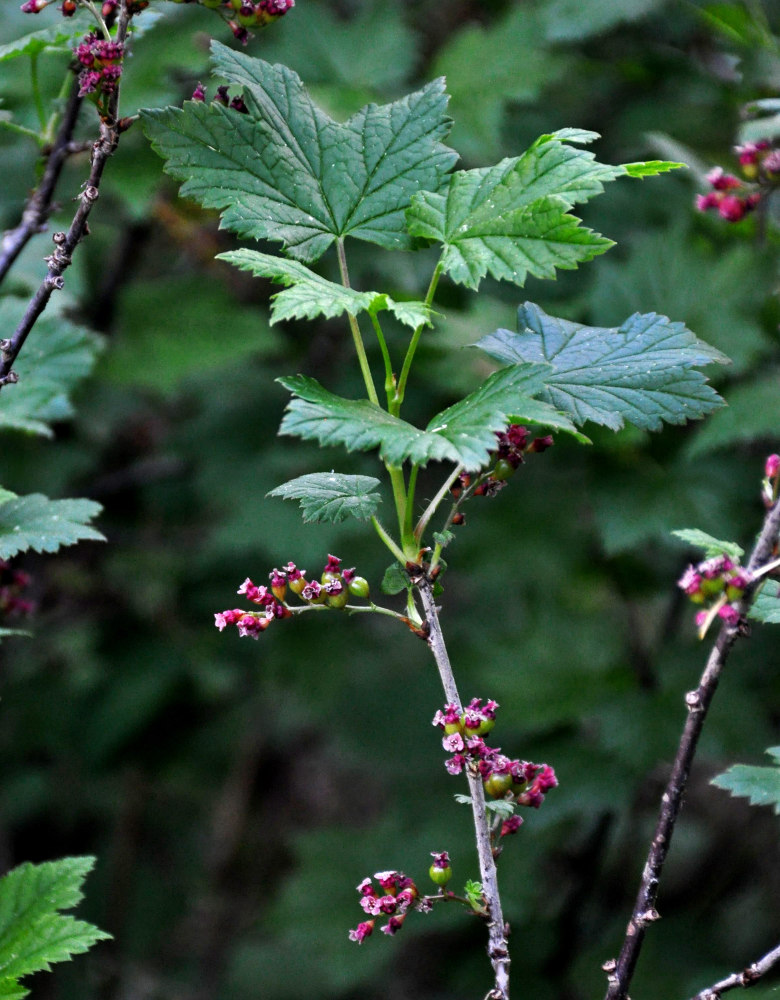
{"points": [[236, 792]]}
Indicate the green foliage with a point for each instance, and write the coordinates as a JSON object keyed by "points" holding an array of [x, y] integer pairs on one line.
{"points": [[766, 607], [54, 361], [642, 372], [761, 785], [312, 295], [286, 171], [56, 36], [35, 522], [711, 546], [332, 496], [33, 932]]}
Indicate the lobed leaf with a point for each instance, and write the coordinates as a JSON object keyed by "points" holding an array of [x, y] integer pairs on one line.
{"points": [[57, 36], [35, 522], [332, 496], [33, 933], [641, 372], [286, 171], [760, 785], [463, 433], [311, 295]]}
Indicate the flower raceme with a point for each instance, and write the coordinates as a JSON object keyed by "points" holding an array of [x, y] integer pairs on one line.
{"points": [[333, 590], [734, 198]]}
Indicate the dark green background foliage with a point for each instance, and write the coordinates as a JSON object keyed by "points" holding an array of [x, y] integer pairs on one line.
{"points": [[236, 792]]}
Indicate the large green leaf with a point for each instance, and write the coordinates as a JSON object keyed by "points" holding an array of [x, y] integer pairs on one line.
{"points": [[512, 220], [35, 522], [56, 356], [761, 785], [463, 433], [56, 36], [286, 171], [641, 372], [311, 295], [33, 933], [332, 496]]}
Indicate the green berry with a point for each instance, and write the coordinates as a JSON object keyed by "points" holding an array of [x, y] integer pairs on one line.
{"points": [[503, 470], [358, 587], [440, 876], [497, 785]]}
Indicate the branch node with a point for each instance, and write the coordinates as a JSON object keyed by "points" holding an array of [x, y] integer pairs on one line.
{"points": [[10, 379], [90, 193], [649, 916], [54, 281], [59, 238], [609, 966], [693, 701]]}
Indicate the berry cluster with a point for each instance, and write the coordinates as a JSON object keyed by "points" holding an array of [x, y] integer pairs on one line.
{"points": [[519, 781], [734, 198], [242, 15], [512, 445], [392, 898], [333, 590], [102, 65], [12, 583], [715, 582]]}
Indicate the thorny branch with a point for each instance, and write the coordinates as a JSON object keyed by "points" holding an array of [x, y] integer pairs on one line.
{"points": [[65, 243], [40, 204], [498, 949], [620, 972], [747, 977]]}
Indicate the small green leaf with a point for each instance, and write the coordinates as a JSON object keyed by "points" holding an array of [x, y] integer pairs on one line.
{"points": [[761, 785], [56, 357], [443, 538], [394, 580], [35, 522], [33, 933], [766, 606], [312, 295], [6, 495], [332, 496], [651, 168], [641, 372], [286, 171], [711, 546]]}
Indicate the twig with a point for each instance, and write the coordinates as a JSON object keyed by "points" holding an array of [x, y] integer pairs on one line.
{"points": [[747, 977], [498, 950], [66, 243], [40, 204], [620, 972]]}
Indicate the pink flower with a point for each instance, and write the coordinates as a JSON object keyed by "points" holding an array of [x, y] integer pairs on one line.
{"points": [[362, 931]]}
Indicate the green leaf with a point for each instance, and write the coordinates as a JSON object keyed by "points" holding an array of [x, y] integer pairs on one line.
{"points": [[35, 522], [286, 171], [463, 433], [573, 20], [6, 495], [332, 496], [312, 295], [651, 168], [766, 606], [512, 220], [506, 396], [56, 356], [761, 785], [641, 372], [57, 36], [395, 580], [33, 933], [711, 546]]}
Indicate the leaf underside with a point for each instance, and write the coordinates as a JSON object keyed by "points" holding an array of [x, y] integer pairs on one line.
{"points": [[711, 546], [286, 171], [641, 372]]}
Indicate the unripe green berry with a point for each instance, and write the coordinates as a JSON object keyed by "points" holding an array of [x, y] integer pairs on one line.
{"points": [[503, 470], [358, 587], [440, 876], [497, 785], [337, 601]]}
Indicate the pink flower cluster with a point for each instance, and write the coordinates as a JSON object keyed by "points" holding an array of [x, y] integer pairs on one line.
{"points": [[520, 781], [770, 486], [102, 62], [512, 445], [716, 582], [221, 97], [332, 590], [395, 894], [732, 197]]}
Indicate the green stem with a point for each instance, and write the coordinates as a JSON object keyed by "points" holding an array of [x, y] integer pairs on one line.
{"points": [[399, 497], [353, 325], [408, 532], [36, 91], [399, 555], [410, 351], [389, 379], [430, 510], [22, 130]]}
